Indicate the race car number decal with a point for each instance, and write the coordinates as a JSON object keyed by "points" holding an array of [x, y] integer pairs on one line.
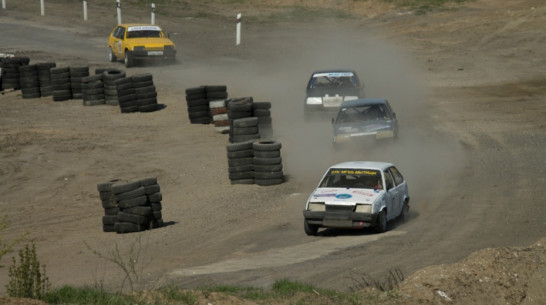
{"points": [[353, 172]]}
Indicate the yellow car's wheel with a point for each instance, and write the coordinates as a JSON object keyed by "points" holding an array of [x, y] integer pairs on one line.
{"points": [[129, 60], [111, 56]]}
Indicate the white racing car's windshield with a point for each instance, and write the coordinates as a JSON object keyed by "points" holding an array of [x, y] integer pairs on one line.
{"points": [[352, 178], [333, 80]]}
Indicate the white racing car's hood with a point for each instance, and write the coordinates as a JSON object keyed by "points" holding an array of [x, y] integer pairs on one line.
{"points": [[345, 196]]}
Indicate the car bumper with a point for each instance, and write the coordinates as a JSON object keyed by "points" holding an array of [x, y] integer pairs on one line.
{"points": [[143, 54], [340, 220], [363, 136]]}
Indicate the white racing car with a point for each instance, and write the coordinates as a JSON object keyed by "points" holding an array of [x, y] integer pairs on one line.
{"points": [[357, 194]]}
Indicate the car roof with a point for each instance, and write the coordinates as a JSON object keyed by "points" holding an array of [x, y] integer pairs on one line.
{"points": [[334, 71], [363, 102], [138, 24], [363, 165]]}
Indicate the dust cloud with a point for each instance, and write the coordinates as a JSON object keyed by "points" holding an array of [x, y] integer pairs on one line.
{"points": [[424, 154]]}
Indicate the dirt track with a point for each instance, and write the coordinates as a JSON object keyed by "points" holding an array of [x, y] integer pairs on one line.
{"points": [[467, 84]]}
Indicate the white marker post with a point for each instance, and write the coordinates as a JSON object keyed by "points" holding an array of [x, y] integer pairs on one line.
{"points": [[118, 5], [3, 4], [238, 35], [153, 13], [85, 10], [42, 8]]}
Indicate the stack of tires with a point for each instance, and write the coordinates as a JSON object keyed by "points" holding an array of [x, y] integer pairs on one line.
{"points": [[145, 92], [46, 88], [215, 93], [60, 81], [131, 206], [198, 105], [76, 75], [267, 162], [93, 90], [29, 81], [262, 111], [240, 162], [241, 108], [244, 129], [110, 91], [10, 71], [125, 95], [220, 117]]}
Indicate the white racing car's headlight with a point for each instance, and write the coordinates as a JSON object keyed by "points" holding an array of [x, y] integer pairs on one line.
{"points": [[350, 97], [313, 101], [317, 207], [364, 208]]}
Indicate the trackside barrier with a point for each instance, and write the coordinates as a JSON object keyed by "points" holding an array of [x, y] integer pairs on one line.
{"points": [[42, 7], [118, 5], [3, 4], [238, 34], [153, 13], [85, 10]]}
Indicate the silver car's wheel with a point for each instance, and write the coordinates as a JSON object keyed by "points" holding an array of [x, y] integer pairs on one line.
{"points": [[405, 212], [111, 56], [381, 225]]}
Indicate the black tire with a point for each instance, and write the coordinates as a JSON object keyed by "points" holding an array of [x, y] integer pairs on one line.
{"points": [[240, 154], [242, 168], [239, 146], [141, 77], [261, 105], [111, 211], [267, 161], [152, 189], [245, 130], [150, 107], [109, 219], [148, 181], [240, 161], [267, 145], [267, 154], [138, 192], [111, 56], [197, 102], [127, 227], [381, 223], [109, 203], [268, 168], [216, 95], [129, 60], [268, 175], [196, 90], [262, 113], [156, 206], [217, 88], [241, 175], [310, 229], [155, 197], [122, 187], [133, 202], [243, 137]]}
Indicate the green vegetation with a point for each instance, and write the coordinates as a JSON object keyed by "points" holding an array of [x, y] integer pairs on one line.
{"points": [[26, 279]]}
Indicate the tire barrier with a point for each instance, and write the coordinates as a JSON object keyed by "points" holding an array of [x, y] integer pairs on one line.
{"points": [[76, 75], [145, 93], [220, 117], [125, 95], [46, 88], [262, 111], [239, 108], [240, 162], [131, 206], [198, 105], [268, 169], [29, 81], [109, 76], [60, 81], [244, 129], [10, 71], [93, 90]]}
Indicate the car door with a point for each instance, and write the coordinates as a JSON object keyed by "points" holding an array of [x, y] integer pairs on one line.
{"points": [[390, 195], [399, 189], [118, 36]]}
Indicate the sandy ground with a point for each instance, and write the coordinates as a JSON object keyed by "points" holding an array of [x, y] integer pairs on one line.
{"points": [[467, 84]]}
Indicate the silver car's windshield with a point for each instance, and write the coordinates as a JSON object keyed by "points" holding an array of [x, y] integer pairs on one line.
{"points": [[353, 178], [363, 113]]}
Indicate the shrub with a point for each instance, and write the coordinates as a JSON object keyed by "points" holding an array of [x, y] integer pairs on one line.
{"points": [[26, 280]]}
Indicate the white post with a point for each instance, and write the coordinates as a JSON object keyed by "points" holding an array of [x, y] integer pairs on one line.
{"points": [[42, 9], [118, 5], [3, 4], [85, 10], [153, 13], [238, 35]]}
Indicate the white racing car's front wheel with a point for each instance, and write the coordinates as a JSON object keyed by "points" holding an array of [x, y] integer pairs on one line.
{"points": [[381, 224], [310, 229]]}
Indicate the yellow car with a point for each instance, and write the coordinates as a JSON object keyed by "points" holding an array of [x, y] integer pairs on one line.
{"points": [[132, 42]]}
